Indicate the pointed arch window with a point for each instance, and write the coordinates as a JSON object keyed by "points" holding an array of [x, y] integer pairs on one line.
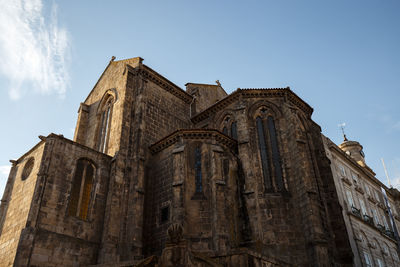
{"points": [[81, 189], [229, 127], [198, 174], [105, 122], [269, 153]]}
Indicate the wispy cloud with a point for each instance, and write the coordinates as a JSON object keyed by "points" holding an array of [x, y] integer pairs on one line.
{"points": [[34, 50]]}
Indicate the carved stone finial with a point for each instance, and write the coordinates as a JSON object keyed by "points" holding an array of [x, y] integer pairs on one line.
{"points": [[175, 233], [112, 58], [13, 162], [41, 137], [218, 83]]}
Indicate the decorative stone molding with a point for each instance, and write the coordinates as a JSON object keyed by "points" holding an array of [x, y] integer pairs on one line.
{"points": [[359, 189], [177, 183], [346, 180], [372, 199], [285, 93], [193, 134], [161, 81]]}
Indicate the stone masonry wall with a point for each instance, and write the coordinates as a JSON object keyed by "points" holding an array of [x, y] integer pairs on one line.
{"points": [[163, 113], [150, 112], [209, 218], [55, 237], [113, 80], [283, 223], [19, 202], [159, 196]]}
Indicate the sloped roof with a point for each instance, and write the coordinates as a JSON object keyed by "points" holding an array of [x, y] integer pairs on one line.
{"points": [[254, 92]]}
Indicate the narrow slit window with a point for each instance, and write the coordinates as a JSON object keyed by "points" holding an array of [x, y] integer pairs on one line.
{"points": [[225, 130], [234, 130], [264, 154], [198, 175], [164, 214], [276, 158], [81, 189], [105, 125]]}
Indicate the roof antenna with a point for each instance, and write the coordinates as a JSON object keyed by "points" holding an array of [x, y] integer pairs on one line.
{"points": [[387, 176], [342, 125]]}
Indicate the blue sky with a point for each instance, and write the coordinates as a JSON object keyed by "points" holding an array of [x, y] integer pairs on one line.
{"points": [[341, 57]]}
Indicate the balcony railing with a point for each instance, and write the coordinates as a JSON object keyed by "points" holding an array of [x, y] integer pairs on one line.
{"points": [[389, 233], [356, 211], [368, 219], [381, 227]]}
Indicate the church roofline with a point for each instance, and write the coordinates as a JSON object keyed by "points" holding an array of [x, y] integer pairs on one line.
{"points": [[250, 93], [108, 65], [163, 82], [192, 134], [43, 139], [207, 84]]}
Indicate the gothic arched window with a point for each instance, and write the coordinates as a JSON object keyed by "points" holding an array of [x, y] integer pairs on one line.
{"points": [[81, 189], [105, 122], [229, 126], [197, 167], [269, 153]]}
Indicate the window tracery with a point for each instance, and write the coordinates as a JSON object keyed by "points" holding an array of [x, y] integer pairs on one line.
{"points": [[268, 144], [105, 123], [229, 127]]}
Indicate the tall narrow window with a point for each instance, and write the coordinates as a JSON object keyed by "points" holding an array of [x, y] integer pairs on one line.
{"points": [[362, 207], [234, 130], [104, 125], [264, 154], [225, 130], [349, 198], [276, 159], [81, 189], [376, 218], [367, 259], [198, 178]]}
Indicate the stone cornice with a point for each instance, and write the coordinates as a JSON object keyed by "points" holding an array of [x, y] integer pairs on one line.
{"points": [[193, 134], [254, 93], [149, 74], [60, 137]]}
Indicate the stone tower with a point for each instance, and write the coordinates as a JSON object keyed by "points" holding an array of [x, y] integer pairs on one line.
{"points": [[160, 176]]}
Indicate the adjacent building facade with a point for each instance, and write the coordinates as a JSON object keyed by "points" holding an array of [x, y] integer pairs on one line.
{"points": [[370, 209], [160, 176]]}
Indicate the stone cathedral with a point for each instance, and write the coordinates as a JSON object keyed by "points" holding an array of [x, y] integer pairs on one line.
{"points": [[161, 176]]}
